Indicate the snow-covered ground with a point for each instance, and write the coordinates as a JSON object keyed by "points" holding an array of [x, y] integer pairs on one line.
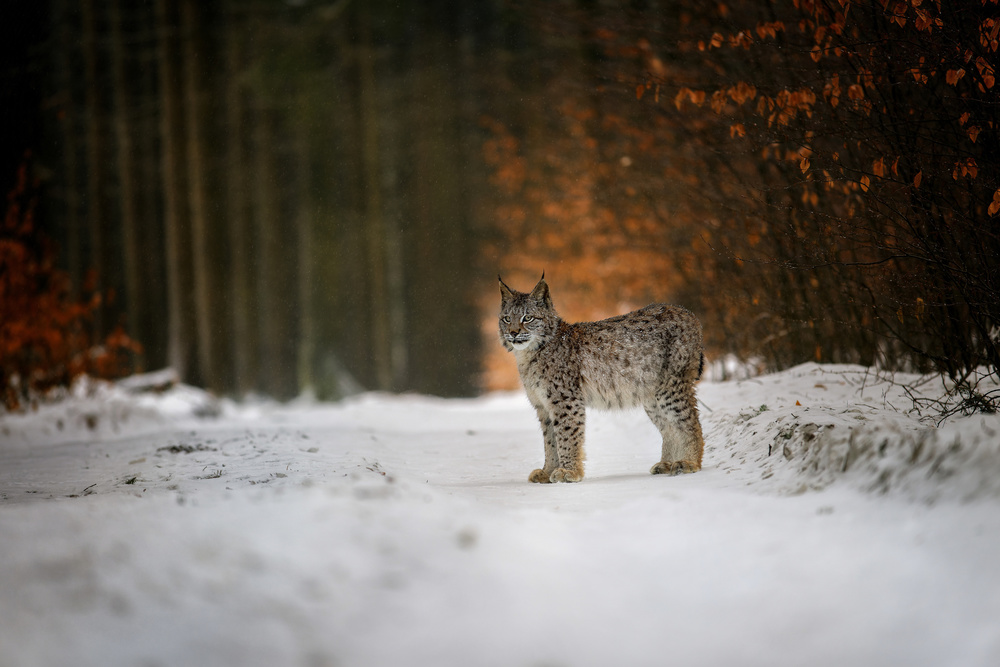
{"points": [[830, 526]]}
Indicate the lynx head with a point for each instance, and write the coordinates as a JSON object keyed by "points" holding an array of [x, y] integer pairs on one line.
{"points": [[526, 320]]}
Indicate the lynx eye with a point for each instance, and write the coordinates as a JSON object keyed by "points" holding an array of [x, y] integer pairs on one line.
{"points": [[505, 319], [527, 318]]}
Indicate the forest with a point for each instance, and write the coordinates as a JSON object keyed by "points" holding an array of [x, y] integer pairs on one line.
{"points": [[286, 197]]}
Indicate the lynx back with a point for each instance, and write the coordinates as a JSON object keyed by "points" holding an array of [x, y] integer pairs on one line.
{"points": [[650, 357]]}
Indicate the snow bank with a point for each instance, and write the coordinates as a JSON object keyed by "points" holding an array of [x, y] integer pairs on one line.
{"points": [[98, 410], [816, 425]]}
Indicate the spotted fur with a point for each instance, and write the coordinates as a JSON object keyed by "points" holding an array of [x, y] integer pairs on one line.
{"points": [[650, 357]]}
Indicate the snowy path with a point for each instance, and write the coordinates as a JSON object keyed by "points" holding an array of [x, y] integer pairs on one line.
{"points": [[401, 531]]}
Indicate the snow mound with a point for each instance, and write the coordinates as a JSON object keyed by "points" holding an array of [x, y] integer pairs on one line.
{"points": [[822, 425], [99, 410], [961, 459]]}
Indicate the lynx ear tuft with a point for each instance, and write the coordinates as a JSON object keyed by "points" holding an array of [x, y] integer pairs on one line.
{"points": [[541, 293], [505, 292]]}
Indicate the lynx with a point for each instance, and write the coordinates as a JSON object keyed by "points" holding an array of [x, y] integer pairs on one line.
{"points": [[650, 357]]}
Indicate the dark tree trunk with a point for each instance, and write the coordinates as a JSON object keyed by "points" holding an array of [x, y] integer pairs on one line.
{"points": [[238, 206], [180, 304], [126, 161], [197, 171]]}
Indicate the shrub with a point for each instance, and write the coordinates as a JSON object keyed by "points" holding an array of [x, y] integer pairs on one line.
{"points": [[46, 333]]}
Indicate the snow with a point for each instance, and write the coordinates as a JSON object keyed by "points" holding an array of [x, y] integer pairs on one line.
{"points": [[832, 524]]}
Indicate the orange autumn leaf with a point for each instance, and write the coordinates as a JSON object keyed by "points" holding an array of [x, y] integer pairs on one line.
{"points": [[967, 167], [742, 92], [769, 29], [923, 21], [995, 204], [679, 98], [983, 66], [718, 101], [696, 96]]}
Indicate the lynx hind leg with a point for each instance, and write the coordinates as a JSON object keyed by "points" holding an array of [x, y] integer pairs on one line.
{"points": [[674, 411]]}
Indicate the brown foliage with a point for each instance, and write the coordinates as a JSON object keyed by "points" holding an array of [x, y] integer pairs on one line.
{"points": [[44, 332], [819, 179], [875, 125], [571, 206]]}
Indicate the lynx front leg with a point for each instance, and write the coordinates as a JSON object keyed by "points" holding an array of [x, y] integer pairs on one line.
{"points": [[568, 420], [675, 413], [541, 475]]}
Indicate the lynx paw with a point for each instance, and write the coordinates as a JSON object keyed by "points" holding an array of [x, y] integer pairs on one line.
{"points": [[565, 475], [539, 476], [674, 468]]}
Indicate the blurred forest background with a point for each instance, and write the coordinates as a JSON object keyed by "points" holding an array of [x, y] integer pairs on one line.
{"points": [[295, 196]]}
